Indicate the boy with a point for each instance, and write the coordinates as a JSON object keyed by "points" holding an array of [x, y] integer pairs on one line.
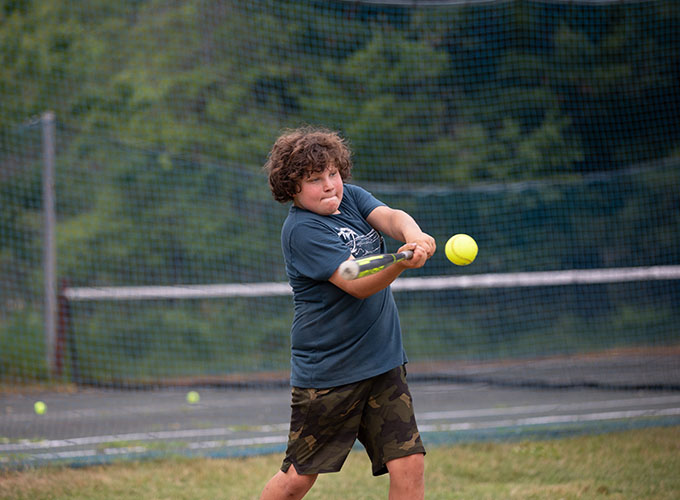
{"points": [[347, 360]]}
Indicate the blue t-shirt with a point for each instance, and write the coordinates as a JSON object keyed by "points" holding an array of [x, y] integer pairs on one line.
{"points": [[337, 339]]}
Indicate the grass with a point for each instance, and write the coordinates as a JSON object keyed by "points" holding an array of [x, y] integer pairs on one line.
{"points": [[639, 464]]}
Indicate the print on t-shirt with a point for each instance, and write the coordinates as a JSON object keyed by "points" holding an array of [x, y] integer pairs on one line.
{"points": [[360, 245]]}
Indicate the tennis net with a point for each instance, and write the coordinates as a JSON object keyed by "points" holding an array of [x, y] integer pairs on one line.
{"points": [[549, 329]]}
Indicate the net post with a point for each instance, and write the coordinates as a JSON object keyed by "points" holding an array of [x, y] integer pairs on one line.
{"points": [[47, 121], [63, 319], [65, 337]]}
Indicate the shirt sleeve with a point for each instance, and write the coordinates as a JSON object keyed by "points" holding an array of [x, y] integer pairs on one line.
{"points": [[364, 201]]}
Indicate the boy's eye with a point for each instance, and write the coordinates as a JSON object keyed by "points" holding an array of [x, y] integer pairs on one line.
{"points": [[317, 177]]}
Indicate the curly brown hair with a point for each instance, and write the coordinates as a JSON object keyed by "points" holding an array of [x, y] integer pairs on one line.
{"points": [[298, 153]]}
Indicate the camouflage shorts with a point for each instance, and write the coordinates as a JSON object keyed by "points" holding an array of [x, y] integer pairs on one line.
{"points": [[326, 422]]}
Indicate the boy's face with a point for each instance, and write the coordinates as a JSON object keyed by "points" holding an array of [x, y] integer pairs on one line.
{"points": [[321, 192]]}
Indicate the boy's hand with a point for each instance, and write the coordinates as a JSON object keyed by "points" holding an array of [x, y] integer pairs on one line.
{"points": [[426, 242], [423, 247]]}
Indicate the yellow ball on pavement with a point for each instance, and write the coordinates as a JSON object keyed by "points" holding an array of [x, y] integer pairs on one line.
{"points": [[193, 397], [40, 407], [461, 249]]}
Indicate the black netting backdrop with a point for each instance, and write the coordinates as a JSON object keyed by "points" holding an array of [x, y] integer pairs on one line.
{"points": [[549, 131]]}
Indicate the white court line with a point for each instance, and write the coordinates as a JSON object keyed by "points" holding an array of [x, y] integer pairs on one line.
{"points": [[518, 410], [427, 416], [136, 436], [281, 439], [26, 445], [551, 419]]}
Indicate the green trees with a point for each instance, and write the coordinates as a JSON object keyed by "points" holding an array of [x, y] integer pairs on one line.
{"points": [[155, 96]]}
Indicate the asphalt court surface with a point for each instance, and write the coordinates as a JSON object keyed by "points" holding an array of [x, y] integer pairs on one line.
{"points": [[94, 426]]}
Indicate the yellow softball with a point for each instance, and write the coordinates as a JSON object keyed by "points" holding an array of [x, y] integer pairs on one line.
{"points": [[461, 249]]}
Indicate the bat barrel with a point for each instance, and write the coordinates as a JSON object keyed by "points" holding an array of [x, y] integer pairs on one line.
{"points": [[353, 269], [349, 270]]}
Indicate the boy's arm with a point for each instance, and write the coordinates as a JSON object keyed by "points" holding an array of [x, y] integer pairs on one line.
{"points": [[401, 226], [398, 225], [365, 287]]}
